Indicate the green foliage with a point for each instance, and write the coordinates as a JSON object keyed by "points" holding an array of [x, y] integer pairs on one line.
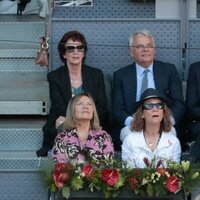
{"points": [[66, 192], [76, 183], [150, 181]]}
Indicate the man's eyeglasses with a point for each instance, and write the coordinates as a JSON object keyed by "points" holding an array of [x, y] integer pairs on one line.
{"points": [[71, 49], [142, 47], [150, 106]]}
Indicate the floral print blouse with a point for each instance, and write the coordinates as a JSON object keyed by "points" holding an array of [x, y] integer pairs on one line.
{"points": [[97, 147]]}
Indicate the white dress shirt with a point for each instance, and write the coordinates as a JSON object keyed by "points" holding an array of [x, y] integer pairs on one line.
{"points": [[140, 74], [134, 149]]}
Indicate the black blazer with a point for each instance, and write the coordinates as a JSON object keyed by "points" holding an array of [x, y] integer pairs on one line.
{"points": [[167, 83], [60, 94], [193, 92]]}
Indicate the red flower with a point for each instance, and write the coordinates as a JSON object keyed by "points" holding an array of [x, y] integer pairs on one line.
{"points": [[133, 182], [173, 184], [110, 176], [61, 173], [87, 170], [146, 161]]}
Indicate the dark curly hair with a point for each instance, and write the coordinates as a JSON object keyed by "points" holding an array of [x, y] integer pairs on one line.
{"points": [[75, 36], [138, 124]]}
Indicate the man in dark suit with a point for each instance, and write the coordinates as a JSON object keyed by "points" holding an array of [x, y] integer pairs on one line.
{"points": [[71, 79], [128, 82], [193, 107]]}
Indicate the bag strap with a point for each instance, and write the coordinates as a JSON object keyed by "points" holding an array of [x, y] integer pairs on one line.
{"points": [[44, 43]]}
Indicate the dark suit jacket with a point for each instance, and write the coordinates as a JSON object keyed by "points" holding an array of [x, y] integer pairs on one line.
{"points": [[193, 108], [167, 83], [60, 94], [193, 92]]}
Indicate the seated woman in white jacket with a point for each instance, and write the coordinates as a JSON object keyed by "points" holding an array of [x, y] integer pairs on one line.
{"points": [[150, 134]]}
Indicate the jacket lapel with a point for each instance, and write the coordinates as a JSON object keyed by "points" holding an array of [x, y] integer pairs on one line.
{"points": [[158, 79], [65, 81], [87, 79], [132, 86]]}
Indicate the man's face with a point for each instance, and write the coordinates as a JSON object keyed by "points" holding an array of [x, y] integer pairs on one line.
{"points": [[142, 50]]}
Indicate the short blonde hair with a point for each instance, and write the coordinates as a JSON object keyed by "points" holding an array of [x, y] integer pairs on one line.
{"points": [[71, 121]]}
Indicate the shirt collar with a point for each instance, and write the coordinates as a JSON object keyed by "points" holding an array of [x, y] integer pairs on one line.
{"points": [[141, 69]]}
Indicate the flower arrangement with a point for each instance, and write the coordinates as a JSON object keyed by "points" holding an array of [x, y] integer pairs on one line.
{"points": [[154, 180]]}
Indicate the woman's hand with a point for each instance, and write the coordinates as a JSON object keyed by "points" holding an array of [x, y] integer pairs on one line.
{"points": [[60, 121]]}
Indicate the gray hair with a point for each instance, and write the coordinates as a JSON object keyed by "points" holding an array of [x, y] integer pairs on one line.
{"points": [[141, 32]]}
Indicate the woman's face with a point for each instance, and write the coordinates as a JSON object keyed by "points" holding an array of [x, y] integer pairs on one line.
{"points": [[153, 111], [84, 109], [74, 53]]}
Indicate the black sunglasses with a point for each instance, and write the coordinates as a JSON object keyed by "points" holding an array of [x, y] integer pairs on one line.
{"points": [[150, 106], [71, 49]]}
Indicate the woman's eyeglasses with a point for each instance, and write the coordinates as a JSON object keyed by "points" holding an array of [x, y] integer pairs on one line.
{"points": [[150, 106], [71, 49]]}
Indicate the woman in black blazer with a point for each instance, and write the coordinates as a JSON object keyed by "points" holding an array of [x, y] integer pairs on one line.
{"points": [[71, 79]]}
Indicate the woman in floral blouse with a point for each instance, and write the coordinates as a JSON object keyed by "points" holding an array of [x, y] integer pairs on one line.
{"points": [[83, 138]]}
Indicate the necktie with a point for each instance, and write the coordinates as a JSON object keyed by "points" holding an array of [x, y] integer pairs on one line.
{"points": [[144, 81]]}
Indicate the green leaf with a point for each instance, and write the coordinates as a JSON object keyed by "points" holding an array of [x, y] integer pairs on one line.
{"points": [[48, 178], [136, 191], [66, 192], [150, 190], [195, 175], [77, 183], [107, 194], [120, 182], [53, 188]]}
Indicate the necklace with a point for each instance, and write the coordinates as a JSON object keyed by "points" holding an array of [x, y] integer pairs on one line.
{"points": [[75, 78], [152, 144]]}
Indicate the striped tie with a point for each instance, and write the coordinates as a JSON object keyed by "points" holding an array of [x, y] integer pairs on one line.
{"points": [[144, 81]]}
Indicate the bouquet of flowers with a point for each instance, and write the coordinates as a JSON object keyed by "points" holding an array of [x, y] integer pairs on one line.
{"points": [[154, 180]]}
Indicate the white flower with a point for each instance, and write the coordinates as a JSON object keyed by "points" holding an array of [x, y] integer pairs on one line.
{"points": [[158, 174], [152, 176], [167, 174], [185, 165], [144, 181]]}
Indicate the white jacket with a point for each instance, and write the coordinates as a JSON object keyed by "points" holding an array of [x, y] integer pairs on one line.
{"points": [[124, 132], [134, 149]]}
